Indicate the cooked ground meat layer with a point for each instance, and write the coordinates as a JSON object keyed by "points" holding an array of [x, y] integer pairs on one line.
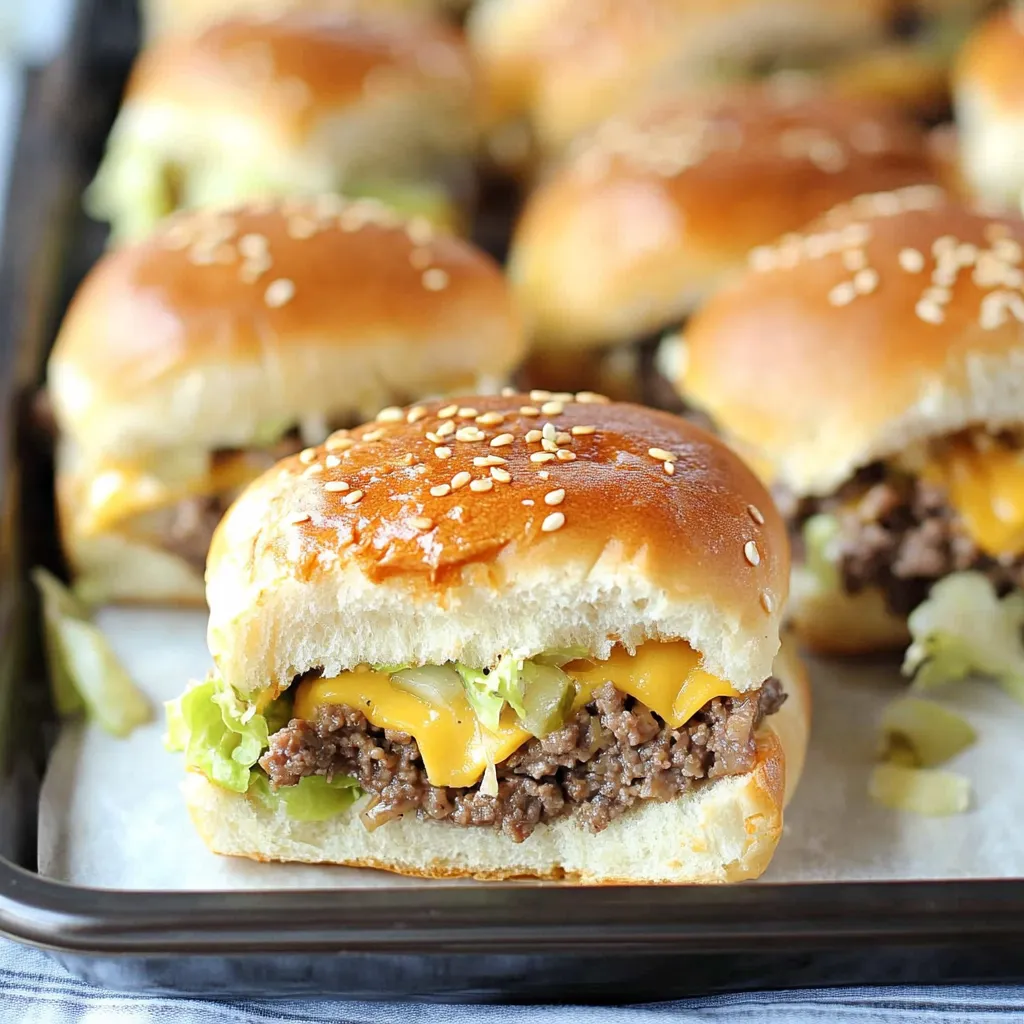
{"points": [[899, 533], [612, 753]]}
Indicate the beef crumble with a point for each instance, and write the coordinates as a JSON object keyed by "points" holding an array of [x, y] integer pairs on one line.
{"points": [[612, 753], [898, 532]]}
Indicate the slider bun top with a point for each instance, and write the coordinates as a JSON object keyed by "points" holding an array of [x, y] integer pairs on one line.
{"points": [[394, 544], [224, 326], [568, 64], [650, 212], [990, 67], [179, 16], [898, 318]]}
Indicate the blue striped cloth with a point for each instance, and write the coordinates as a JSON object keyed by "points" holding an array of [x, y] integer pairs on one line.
{"points": [[36, 990]]}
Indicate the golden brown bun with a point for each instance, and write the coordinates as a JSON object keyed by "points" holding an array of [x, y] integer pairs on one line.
{"points": [[568, 64], [226, 324], [348, 555], [988, 85], [162, 17], [651, 212], [725, 831], [900, 318], [308, 102]]}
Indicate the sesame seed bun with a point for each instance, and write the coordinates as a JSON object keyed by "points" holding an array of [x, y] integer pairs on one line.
{"points": [[308, 102], [898, 319], [650, 213], [566, 65], [223, 323], [988, 88], [452, 531], [162, 17]]}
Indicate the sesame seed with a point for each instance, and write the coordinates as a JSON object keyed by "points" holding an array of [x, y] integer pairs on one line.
{"points": [[374, 435], [583, 431], [392, 414], [553, 522], [563, 437], [766, 602], [503, 476], [540, 396], [332, 461], [937, 295], [433, 438], [528, 502], [669, 468], [421, 523], [552, 408], [591, 398], [448, 410], [301, 228], [751, 554], [502, 440], [408, 459], [562, 396], [279, 293], [307, 455], [443, 453], [489, 460], [756, 514], [911, 261], [299, 517], [460, 480], [483, 484], [353, 498], [555, 497], [313, 470], [854, 259], [335, 486], [467, 413], [490, 419], [446, 428], [548, 446], [435, 279], [533, 436], [661, 455], [253, 246], [865, 281], [543, 474], [469, 434], [416, 413], [842, 294], [548, 432], [338, 444], [507, 392], [929, 312], [564, 455], [541, 457], [419, 230], [441, 490]]}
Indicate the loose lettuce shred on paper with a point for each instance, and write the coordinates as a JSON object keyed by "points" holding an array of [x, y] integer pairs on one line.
{"points": [[85, 674]]}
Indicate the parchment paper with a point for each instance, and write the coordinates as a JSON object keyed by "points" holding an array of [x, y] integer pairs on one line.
{"points": [[112, 814]]}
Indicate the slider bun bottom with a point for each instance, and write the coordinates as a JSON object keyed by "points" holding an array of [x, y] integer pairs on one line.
{"points": [[830, 621], [726, 831]]}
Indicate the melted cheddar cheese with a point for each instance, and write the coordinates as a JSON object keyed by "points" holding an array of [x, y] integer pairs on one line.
{"points": [[986, 487], [456, 748]]}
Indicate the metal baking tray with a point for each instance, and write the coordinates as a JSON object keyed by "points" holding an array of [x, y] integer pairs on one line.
{"points": [[485, 942]]}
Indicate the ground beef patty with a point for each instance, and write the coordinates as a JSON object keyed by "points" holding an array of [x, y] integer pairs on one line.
{"points": [[899, 533], [609, 755]]}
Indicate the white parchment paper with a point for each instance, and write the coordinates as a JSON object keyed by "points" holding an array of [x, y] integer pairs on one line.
{"points": [[112, 814]]}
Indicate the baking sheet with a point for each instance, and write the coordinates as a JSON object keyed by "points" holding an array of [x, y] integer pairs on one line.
{"points": [[112, 815]]}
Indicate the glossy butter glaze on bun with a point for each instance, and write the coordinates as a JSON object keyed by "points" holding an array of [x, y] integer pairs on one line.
{"points": [[650, 214], [458, 531], [898, 318]]}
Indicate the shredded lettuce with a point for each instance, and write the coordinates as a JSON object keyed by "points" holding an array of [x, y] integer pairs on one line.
{"points": [[313, 798], [482, 693], [926, 791], [220, 735], [85, 673], [929, 733], [821, 558], [964, 629]]}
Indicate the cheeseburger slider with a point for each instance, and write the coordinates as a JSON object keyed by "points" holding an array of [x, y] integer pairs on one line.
{"points": [[655, 208], [308, 102], [190, 362], [871, 371], [531, 635], [988, 86]]}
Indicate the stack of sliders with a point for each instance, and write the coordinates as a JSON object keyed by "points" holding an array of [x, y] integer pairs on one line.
{"points": [[553, 69], [871, 371], [649, 215], [308, 102], [528, 635], [988, 86], [190, 362]]}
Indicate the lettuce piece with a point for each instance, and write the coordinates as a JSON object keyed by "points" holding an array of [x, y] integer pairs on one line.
{"points": [[925, 791], [964, 629], [313, 798], [482, 694], [559, 657], [821, 557], [221, 736], [85, 674], [928, 732]]}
